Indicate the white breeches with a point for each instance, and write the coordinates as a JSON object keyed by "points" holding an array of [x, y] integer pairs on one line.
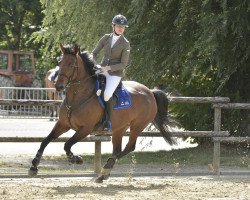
{"points": [[111, 84]]}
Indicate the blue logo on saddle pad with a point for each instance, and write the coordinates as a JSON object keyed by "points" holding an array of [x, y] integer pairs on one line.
{"points": [[122, 96]]}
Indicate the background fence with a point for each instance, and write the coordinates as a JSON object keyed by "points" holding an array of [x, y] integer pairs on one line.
{"points": [[34, 103], [23, 102]]}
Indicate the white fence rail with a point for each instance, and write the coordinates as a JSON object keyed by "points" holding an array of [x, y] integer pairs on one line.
{"points": [[12, 96]]}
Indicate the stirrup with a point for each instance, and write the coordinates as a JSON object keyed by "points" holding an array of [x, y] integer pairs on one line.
{"points": [[107, 126]]}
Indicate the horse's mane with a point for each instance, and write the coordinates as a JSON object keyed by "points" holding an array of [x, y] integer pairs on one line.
{"points": [[86, 58], [89, 63], [69, 49]]}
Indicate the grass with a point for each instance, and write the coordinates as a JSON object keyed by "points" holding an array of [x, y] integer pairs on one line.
{"points": [[202, 155], [2, 164], [231, 156]]}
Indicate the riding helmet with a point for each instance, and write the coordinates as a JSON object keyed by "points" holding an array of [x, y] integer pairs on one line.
{"points": [[120, 20]]}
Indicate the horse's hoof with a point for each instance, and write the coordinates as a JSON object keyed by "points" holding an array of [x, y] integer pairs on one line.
{"points": [[106, 177], [79, 160], [33, 171], [76, 160], [99, 179]]}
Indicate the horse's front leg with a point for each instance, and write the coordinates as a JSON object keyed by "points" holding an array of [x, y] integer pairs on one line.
{"points": [[55, 133], [78, 136], [71, 157]]}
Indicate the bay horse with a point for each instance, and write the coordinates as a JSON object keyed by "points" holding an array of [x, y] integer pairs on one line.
{"points": [[52, 94], [81, 111]]}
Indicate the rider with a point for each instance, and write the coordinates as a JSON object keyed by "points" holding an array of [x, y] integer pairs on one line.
{"points": [[116, 55]]}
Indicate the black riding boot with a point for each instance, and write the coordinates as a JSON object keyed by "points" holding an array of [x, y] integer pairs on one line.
{"points": [[107, 125]]}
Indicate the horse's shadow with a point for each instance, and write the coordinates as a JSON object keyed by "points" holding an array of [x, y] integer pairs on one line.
{"points": [[108, 189]]}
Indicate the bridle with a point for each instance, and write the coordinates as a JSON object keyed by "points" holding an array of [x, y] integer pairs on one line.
{"points": [[71, 80]]}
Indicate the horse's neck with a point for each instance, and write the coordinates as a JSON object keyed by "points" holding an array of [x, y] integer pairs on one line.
{"points": [[84, 87], [78, 93]]}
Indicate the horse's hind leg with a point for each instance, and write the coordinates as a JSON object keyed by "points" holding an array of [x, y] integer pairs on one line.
{"points": [[135, 130], [55, 133], [117, 145]]}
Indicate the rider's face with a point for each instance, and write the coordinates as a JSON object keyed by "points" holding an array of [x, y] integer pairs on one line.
{"points": [[119, 29]]}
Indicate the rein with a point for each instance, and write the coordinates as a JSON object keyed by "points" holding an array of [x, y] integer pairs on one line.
{"points": [[69, 107]]}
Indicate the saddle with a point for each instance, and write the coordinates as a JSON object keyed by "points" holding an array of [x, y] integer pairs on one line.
{"points": [[121, 95]]}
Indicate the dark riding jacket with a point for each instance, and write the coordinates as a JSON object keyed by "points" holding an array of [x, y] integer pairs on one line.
{"points": [[116, 57]]}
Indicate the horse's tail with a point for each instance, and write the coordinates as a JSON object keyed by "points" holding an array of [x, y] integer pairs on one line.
{"points": [[162, 121]]}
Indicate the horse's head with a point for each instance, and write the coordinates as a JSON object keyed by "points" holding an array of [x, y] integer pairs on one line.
{"points": [[75, 67], [68, 65]]}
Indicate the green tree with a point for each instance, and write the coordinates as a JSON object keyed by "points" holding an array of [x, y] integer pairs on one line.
{"points": [[80, 22], [18, 20], [197, 48]]}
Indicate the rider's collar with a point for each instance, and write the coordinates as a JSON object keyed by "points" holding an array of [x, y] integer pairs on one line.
{"points": [[116, 34]]}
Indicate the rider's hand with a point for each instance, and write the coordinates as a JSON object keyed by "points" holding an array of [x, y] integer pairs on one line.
{"points": [[97, 69], [105, 69]]}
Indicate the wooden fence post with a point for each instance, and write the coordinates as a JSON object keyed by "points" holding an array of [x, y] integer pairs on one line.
{"points": [[98, 157], [217, 127]]}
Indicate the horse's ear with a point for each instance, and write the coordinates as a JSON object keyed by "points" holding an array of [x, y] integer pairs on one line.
{"points": [[62, 48], [76, 49]]}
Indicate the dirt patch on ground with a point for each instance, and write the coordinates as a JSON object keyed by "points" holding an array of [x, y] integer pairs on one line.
{"points": [[157, 188], [133, 181]]}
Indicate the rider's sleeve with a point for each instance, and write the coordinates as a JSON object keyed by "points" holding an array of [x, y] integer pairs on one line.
{"points": [[99, 46]]}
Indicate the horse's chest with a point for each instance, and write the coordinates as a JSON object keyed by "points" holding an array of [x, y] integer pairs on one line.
{"points": [[81, 115]]}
